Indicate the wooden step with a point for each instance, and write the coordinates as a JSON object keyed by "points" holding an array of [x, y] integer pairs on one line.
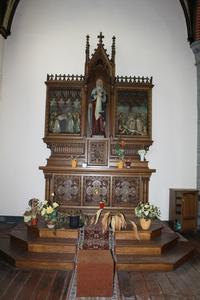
{"points": [[45, 245], [55, 246], [22, 259], [146, 247], [168, 261], [42, 231], [129, 234], [145, 255]]}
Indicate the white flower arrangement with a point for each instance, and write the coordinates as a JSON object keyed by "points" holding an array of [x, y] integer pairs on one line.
{"points": [[48, 210], [147, 211]]}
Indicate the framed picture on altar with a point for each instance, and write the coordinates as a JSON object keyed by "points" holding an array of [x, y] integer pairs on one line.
{"points": [[64, 110], [133, 112]]}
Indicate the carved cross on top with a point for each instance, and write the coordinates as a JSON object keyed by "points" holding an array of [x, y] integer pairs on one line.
{"points": [[100, 37]]}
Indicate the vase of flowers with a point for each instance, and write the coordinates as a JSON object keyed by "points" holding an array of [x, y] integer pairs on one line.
{"points": [[49, 212], [120, 151], [146, 212]]}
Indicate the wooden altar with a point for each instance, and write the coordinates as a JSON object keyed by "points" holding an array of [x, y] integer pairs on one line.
{"points": [[87, 116]]}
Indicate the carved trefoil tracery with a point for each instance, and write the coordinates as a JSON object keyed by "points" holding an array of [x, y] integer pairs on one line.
{"points": [[126, 191], [67, 189], [96, 189]]}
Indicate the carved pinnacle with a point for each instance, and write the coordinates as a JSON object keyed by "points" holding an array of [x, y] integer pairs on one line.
{"points": [[113, 48], [87, 50]]}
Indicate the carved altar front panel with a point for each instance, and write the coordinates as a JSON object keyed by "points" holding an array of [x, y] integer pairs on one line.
{"points": [[125, 191], [67, 189], [96, 188], [86, 187]]}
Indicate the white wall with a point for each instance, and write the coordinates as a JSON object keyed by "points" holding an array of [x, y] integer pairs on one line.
{"points": [[49, 37], [2, 42]]}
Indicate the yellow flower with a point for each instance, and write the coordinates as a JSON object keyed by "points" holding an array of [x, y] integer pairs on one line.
{"points": [[49, 210], [55, 204]]}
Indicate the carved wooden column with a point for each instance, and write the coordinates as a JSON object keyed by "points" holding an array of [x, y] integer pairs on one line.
{"points": [[145, 190], [48, 177]]}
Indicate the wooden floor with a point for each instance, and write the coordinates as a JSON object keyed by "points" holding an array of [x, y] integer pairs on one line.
{"points": [[183, 283]]}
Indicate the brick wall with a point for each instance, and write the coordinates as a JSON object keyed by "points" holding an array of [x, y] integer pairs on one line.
{"points": [[197, 21]]}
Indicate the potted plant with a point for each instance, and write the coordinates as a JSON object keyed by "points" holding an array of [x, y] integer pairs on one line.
{"points": [[114, 220], [30, 215], [120, 151], [48, 211], [146, 212]]}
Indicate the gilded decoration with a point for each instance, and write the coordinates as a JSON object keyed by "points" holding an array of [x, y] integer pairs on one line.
{"points": [[96, 189], [126, 191], [67, 189]]}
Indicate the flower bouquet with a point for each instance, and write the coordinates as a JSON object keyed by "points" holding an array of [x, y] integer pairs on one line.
{"points": [[146, 212], [49, 212]]}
